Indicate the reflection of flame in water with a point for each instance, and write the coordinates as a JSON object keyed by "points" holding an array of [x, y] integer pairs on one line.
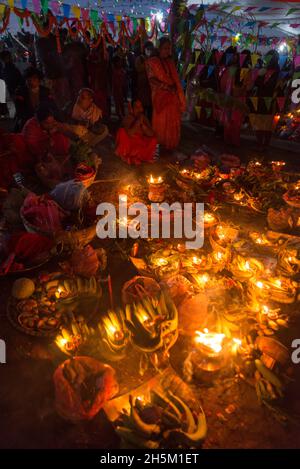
{"points": [[211, 340]]}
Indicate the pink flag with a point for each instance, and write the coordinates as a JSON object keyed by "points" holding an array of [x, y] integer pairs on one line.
{"points": [[36, 6], [55, 7], [223, 40], [200, 68], [268, 75], [254, 74], [218, 56], [85, 13], [297, 61], [242, 59], [281, 103]]}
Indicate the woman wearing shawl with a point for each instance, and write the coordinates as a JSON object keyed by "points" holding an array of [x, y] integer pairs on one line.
{"points": [[86, 113], [168, 99]]}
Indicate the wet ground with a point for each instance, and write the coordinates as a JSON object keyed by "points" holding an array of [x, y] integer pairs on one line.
{"points": [[28, 418]]}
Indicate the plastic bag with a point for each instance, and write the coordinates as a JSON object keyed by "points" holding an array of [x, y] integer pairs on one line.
{"points": [[82, 386]]}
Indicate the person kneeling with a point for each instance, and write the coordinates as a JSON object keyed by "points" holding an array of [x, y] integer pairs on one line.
{"points": [[135, 141], [88, 116]]}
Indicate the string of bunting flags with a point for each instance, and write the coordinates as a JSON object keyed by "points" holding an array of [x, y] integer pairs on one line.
{"points": [[92, 26], [279, 102], [251, 10]]}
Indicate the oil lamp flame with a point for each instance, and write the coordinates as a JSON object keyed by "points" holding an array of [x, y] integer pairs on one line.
{"points": [[157, 180], [211, 340]]}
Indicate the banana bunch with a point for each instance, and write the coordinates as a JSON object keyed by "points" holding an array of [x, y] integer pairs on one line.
{"points": [[166, 421], [73, 336], [152, 323], [269, 326], [268, 385], [113, 335], [77, 286], [229, 323]]}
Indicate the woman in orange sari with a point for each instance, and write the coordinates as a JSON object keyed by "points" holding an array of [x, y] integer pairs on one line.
{"points": [[135, 141], [168, 99]]}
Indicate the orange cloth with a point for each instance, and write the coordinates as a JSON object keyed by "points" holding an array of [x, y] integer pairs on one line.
{"points": [[135, 149], [167, 99]]}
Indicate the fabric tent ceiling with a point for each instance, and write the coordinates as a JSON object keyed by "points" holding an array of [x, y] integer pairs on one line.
{"points": [[277, 13]]}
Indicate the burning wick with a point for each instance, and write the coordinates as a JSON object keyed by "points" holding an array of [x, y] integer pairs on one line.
{"points": [[158, 180], [219, 256], [209, 218], [58, 292], [210, 340]]}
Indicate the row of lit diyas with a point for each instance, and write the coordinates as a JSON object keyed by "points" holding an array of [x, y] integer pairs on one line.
{"points": [[281, 290]]}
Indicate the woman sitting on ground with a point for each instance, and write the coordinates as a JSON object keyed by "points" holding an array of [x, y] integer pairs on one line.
{"points": [[136, 142], [88, 115], [43, 134]]}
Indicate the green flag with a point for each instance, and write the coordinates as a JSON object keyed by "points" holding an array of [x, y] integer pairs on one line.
{"points": [[94, 17]]}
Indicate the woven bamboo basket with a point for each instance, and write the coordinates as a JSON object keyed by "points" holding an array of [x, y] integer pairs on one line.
{"points": [[138, 288], [75, 239]]}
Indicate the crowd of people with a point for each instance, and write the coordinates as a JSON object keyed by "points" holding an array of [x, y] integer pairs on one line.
{"points": [[76, 93]]}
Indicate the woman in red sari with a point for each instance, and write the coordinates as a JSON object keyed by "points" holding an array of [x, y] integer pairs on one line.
{"points": [[136, 142], [168, 99]]}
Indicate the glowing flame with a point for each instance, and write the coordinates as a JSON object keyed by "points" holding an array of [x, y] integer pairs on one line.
{"points": [[157, 180], [211, 340], [247, 265], [259, 284], [209, 218]]}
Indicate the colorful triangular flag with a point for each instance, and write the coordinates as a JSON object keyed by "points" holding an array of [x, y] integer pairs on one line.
{"points": [[200, 68], [243, 73], [254, 101], [268, 103], [242, 59], [268, 75], [198, 111], [211, 69], [281, 103], [254, 58]]}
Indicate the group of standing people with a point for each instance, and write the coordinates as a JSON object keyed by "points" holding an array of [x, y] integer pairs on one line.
{"points": [[51, 103]]}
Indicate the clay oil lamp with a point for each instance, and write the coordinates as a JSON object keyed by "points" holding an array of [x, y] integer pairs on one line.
{"points": [[157, 189], [244, 269]]}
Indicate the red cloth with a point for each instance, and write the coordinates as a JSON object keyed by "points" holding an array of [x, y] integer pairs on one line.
{"points": [[27, 246], [15, 157], [167, 99], [136, 148], [40, 142], [43, 212]]}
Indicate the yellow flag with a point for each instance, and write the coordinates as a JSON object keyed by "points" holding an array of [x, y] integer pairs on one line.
{"points": [[76, 11], [198, 111], [244, 73], [11, 3], [118, 18], [190, 67], [254, 58], [255, 103], [2, 10]]}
